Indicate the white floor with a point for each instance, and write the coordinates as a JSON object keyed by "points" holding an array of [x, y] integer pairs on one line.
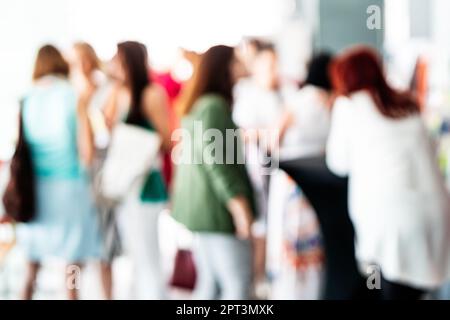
{"points": [[51, 279]]}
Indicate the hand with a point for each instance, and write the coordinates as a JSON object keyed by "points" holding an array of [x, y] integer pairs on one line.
{"points": [[242, 217], [243, 224]]}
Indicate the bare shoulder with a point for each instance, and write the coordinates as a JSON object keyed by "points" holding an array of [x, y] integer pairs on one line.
{"points": [[154, 92]]}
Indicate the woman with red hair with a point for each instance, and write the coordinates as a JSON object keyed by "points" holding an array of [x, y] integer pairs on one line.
{"points": [[397, 199]]}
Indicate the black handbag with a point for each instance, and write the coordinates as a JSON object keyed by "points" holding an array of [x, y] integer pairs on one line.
{"points": [[19, 199]]}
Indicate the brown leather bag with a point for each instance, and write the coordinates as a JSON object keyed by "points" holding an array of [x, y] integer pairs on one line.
{"points": [[19, 199]]}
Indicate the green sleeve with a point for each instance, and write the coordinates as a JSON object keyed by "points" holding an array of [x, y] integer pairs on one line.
{"points": [[226, 179]]}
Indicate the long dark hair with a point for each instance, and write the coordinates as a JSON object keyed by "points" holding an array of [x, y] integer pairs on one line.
{"points": [[213, 75], [361, 69], [318, 74], [133, 56]]}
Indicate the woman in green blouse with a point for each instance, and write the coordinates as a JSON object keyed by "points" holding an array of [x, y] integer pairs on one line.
{"points": [[212, 193]]}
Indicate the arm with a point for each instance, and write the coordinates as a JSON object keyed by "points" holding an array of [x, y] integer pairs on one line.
{"points": [[242, 216], [338, 145], [85, 137], [111, 106], [155, 105]]}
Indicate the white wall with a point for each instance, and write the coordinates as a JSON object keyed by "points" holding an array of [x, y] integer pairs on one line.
{"points": [[162, 24]]}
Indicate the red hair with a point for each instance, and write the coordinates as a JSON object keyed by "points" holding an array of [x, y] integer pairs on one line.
{"points": [[359, 69]]}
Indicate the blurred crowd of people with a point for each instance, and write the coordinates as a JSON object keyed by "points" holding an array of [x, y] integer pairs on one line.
{"points": [[255, 233]]}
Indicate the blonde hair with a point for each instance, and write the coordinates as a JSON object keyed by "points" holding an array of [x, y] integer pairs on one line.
{"points": [[88, 53]]}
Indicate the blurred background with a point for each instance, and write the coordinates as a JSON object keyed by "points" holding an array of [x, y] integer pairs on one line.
{"points": [[412, 36], [409, 29]]}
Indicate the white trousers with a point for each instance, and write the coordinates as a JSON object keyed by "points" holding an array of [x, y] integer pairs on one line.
{"points": [[140, 236], [224, 267]]}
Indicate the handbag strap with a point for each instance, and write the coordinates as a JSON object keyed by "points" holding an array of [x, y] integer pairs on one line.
{"points": [[21, 135]]}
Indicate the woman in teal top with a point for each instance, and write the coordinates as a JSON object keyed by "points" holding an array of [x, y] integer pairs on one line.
{"points": [[140, 211], [58, 134], [212, 195]]}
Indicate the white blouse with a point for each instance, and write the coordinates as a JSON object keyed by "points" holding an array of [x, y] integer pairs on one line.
{"points": [[397, 198], [255, 107], [308, 133]]}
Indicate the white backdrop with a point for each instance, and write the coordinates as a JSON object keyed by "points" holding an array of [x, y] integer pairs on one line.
{"points": [[163, 25]]}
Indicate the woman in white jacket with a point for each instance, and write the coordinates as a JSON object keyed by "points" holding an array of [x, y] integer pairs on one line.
{"points": [[397, 198]]}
